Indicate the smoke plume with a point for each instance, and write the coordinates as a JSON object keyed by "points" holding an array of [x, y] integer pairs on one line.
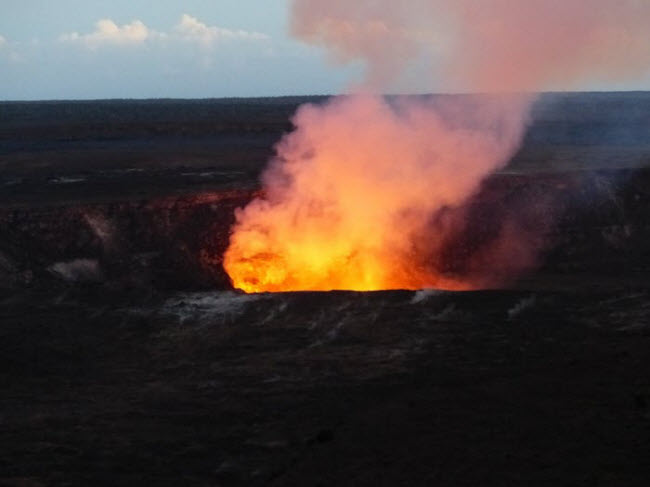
{"points": [[486, 45], [368, 191]]}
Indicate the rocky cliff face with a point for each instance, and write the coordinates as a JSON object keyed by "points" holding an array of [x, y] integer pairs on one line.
{"points": [[581, 222], [164, 243]]}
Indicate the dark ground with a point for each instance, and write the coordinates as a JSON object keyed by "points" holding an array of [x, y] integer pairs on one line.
{"points": [[125, 359]]}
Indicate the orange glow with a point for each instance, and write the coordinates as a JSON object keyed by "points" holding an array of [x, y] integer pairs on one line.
{"points": [[357, 195], [348, 198]]}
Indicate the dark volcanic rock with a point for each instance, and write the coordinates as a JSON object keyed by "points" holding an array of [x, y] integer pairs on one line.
{"points": [[574, 222], [393, 388], [125, 359], [172, 242]]}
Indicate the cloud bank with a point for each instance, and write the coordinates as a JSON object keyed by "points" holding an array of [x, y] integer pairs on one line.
{"points": [[108, 32], [191, 29], [188, 29]]}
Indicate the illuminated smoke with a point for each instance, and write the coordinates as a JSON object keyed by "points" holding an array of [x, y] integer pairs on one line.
{"points": [[355, 196], [486, 45]]}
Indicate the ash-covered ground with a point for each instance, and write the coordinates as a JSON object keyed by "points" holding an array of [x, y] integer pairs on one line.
{"points": [[126, 359]]}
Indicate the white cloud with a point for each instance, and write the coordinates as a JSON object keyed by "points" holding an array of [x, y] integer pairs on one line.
{"points": [[108, 32], [188, 29], [8, 51], [192, 29]]}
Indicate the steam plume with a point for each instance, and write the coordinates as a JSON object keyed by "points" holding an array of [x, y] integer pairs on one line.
{"points": [[353, 196], [486, 45]]}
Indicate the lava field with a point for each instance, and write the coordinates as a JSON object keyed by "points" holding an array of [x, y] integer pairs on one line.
{"points": [[126, 358]]}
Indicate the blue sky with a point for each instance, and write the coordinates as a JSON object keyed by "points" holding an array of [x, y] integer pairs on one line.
{"points": [[80, 49], [85, 49]]}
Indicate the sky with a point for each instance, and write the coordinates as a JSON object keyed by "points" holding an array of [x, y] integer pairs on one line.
{"points": [[90, 49]]}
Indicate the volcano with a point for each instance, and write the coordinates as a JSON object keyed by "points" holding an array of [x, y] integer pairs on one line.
{"points": [[127, 356]]}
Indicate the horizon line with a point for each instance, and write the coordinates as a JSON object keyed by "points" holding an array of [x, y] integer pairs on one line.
{"points": [[278, 97]]}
